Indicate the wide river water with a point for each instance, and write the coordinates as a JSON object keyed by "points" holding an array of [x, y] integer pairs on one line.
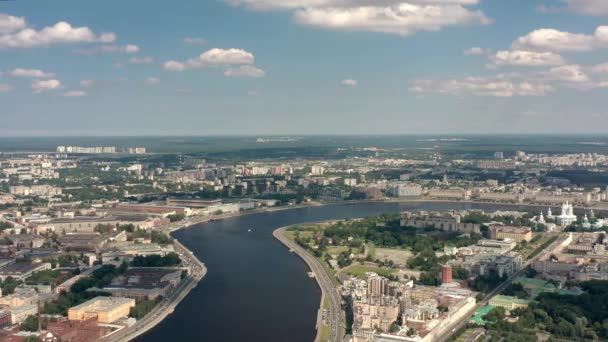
{"points": [[255, 289]]}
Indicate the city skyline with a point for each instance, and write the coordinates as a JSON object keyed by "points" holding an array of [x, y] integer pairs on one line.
{"points": [[266, 67]]}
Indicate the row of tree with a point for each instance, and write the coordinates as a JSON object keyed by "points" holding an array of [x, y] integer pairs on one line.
{"points": [[570, 317]]}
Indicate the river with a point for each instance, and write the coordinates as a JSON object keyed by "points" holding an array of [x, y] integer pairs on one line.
{"points": [[255, 289]]}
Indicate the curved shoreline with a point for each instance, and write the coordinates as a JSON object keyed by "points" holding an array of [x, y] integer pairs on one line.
{"points": [[426, 200], [278, 233], [323, 280], [166, 306]]}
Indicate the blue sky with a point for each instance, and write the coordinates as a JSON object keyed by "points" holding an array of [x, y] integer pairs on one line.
{"points": [[303, 67]]}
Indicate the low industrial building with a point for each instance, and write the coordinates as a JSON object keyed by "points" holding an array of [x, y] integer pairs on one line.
{"points": [[81, 331], [193, 202], [22, 270], [144, 283], [128, 252], [26, 240], [444, 221], [449, 194], [518, 234], [89, 242], [89, 223], [104, 309], [508, 302]]}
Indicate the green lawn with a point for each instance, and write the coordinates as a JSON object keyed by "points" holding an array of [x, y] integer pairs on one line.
{"points": [[533, 249], [466, 335], [336, 250], [48, 277], [291, 234], [324, 333], [359, 270], [371, 250]]}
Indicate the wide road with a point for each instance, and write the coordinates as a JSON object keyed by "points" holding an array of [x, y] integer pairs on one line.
{"points": [[466, 318], [336, 314]]}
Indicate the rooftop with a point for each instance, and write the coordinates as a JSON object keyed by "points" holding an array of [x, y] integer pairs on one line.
{"points": [[19, 267], [509, 299], [139, 247], [512, 229], [24, 237], [144, 278], [478, 317], [100, 304]]}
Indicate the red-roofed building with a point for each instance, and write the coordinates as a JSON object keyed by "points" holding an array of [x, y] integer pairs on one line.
{"points": [[81, 331]]}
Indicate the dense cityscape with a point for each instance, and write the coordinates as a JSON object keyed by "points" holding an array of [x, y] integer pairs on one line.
{"points": [[303, 170], [87, 251]]}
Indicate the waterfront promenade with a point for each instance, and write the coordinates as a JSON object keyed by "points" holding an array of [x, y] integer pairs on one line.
{"points": [[336, 314]]}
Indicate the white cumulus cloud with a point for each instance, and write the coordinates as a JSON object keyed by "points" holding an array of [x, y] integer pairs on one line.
{"points": [[546, 39], [109, 49], [475, 51], [45, 85], [600, 68], [174, 66], [349, 82], [213, 57], [244, 71], [526, 58], [402, 19], [31, 73], [9, 23], [569, 73], [264, 5], [61, 32], [141, 60], [75, 93], [482, 86], [131, 48], [534, 83]]}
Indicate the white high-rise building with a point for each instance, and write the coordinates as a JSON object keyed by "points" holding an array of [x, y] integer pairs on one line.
{"points": [[405, 190], [317, 170]]}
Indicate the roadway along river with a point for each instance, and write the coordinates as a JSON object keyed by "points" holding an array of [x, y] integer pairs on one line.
{"points": [[255, 289]]}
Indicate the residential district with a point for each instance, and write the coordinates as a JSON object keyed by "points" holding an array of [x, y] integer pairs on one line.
{"points": [[85, 250], [435, 276]]}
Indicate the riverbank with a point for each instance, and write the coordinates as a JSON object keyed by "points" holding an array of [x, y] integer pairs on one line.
{"points": [[202, 219], [341, 210], [197, 271], [602, 206], [328, 291]]}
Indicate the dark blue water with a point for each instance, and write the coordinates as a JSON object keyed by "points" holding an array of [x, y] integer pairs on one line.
{"points": [[255, 289]]}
